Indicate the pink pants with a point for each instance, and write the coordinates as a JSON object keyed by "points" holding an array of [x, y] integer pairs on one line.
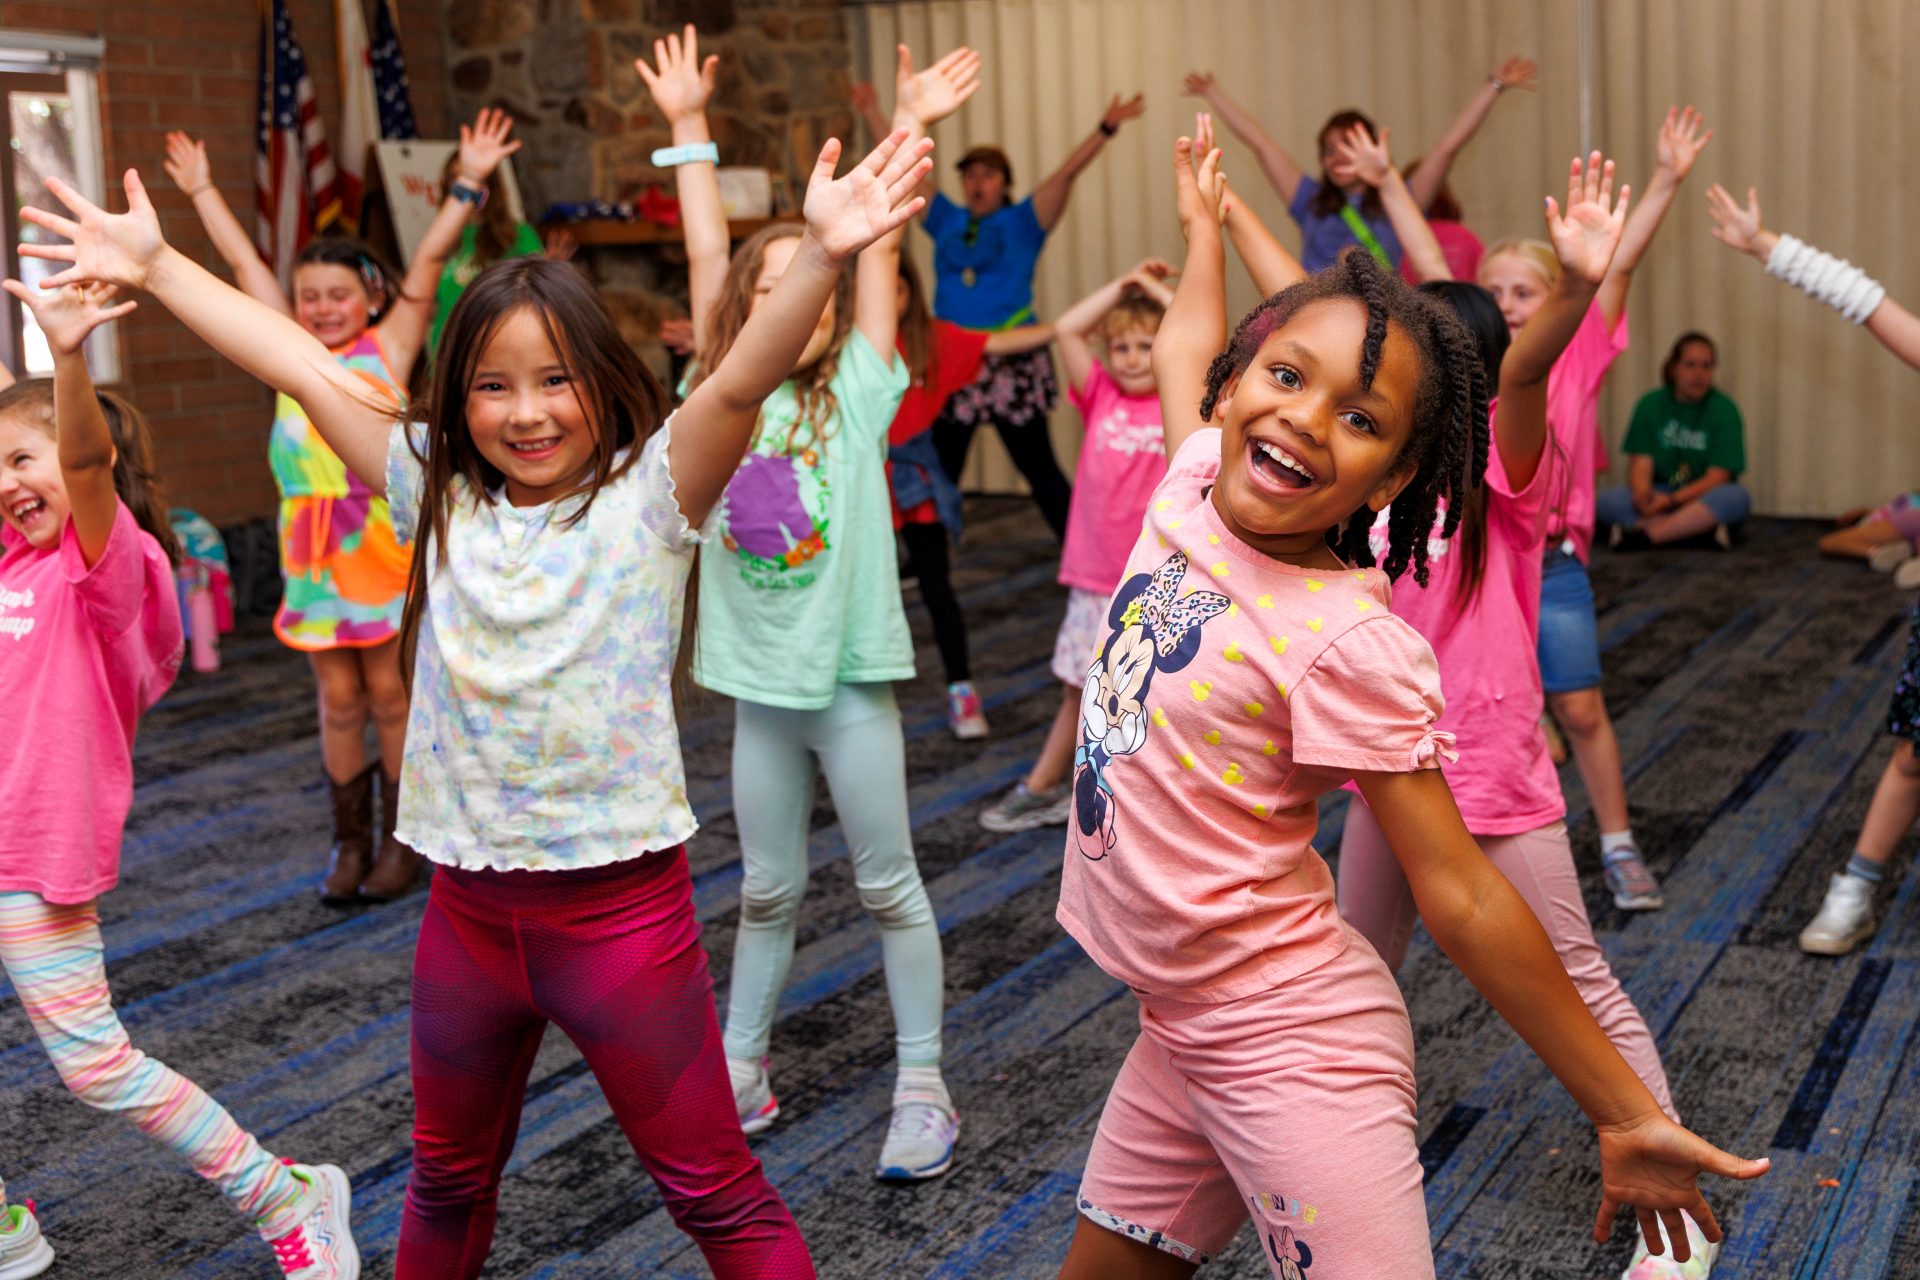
{"points": [[1376, 900], [1294, 1106]]}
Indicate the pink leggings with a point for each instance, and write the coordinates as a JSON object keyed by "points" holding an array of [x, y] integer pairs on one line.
{"points": [[612, 955], [1376, 900]]}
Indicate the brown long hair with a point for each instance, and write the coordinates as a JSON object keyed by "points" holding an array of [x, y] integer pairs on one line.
{"points": [[624, 405], [377, 277], [916, 326], [495, 229], [813, 384], [133, 472], [1329, 199]]}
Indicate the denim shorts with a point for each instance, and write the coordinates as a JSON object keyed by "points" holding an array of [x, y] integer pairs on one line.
{"points": [[1569, 636]]}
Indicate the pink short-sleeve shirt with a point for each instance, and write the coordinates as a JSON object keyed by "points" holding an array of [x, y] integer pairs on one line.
{"points": [[1229, 693], [1121, 461], [1575, 450], [83, 651]]}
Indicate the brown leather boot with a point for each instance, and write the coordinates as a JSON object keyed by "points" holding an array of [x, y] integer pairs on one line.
{"points": [[397, 866], [352, 838]]}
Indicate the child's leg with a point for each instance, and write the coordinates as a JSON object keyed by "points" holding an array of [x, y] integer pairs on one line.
{"points": [[474, 1033], [1373, 892], [1614, 505], [1894, 808], [53, 957], [386, 696], [622, 971], [927, 556], [1031, 448], [343, 712], [1539, 865], [1724, 504], [773, 805], [863, 756], [1858, 541]]}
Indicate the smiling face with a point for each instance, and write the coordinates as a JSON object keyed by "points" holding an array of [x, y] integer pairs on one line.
{"points": [[525, 415], [1692, 373], [1303, 445], [33, 492], [774, 260], [1517, 287], [1130, 359], [331, 302]]}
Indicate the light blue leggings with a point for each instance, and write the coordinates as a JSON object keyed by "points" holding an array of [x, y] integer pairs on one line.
{"points": [[856, 742]]}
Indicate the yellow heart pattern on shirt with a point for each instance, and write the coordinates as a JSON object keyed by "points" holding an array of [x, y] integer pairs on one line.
{"points": [[1201, 688], [1212, 736], [1252, 709], [1186, 760], [1214, 538], [1281, 687], [1314, 624], [1269, 749], [1218, 570], [1279, 643], [1363, 605], [1163, 504], [1259, 811], [1232, 652], [1233, 775], [1159, 718], [1264, 602], [1314, 584], [1232, 608]]}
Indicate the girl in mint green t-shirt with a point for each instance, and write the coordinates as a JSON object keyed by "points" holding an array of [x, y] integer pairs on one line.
{"points": [[801, 624]]}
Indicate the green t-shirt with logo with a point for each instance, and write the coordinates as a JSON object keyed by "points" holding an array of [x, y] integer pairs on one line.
{"points": [[1685, 439], [801, 589]]}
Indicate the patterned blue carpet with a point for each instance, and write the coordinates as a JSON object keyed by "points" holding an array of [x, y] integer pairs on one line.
{"points": [[1748, 688]]}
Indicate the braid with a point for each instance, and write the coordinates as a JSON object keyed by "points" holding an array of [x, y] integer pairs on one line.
{"points": [[1370, 284]]}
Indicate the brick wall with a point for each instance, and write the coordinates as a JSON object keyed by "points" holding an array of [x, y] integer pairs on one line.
{"points": [[192, 66]]}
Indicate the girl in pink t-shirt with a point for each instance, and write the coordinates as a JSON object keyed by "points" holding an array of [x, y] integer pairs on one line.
{"points": [[1121, 460], [90, 638], [1480, 610], [1519, 274], [1251, 665]]}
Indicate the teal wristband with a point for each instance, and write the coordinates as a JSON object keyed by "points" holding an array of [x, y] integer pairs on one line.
{"points": [[691, 153]]}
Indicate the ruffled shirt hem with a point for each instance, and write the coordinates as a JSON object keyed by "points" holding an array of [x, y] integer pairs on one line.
{"points": [[474, 859]]}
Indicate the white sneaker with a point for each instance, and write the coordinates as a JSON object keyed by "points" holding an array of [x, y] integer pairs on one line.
{"points": [[1907, 576], [321, 1247], [754, 1101], [920, 1139], [23, 1250], [1646, 1266], [1889, 556], [1845, 919], [1023, 810]]}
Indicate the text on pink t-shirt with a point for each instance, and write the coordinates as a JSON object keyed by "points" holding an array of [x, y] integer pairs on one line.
{"points": [[1123, 458], [1575, 449], [82, 653], [1231, 691]]}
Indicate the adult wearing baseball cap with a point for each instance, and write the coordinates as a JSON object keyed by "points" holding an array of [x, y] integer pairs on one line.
{"points": [[984, 254]]}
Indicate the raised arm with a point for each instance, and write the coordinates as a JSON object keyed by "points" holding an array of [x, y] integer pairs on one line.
{"points": [[1584, 240], [922, 99], [403, 329], [187, 165], [1683, 136], [1486, 928], [1195, 328], [843, 218], [66, 316], [1010, 342], [1368, 155], [1282, 170], [1272, 266], [1832, 280], [865, 101], [680, 88], [128, 250], [1073, 330], [1515, 73], [1050, 197]]}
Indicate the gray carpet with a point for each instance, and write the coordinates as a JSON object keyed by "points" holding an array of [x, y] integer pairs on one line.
{"points": [[1748, 688]]}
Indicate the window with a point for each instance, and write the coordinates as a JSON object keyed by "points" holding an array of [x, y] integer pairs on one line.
{"points": [[49, 94]]}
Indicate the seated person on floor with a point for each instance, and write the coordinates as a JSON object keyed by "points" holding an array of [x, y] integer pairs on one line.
{"points": [[1686, 448]]}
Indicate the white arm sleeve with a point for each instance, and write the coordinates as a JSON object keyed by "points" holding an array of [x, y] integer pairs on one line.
{"points": [[1834, 281]]}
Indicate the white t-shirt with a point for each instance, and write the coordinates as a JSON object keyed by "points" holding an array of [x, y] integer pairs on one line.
{"points": [[542, 735]]}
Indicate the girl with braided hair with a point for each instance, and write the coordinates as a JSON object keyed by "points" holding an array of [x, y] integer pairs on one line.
{"points": [[1251, 666]]}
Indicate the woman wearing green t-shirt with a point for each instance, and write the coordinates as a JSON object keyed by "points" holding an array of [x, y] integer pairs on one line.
{"points": [[1686, 448], [492, 234]]}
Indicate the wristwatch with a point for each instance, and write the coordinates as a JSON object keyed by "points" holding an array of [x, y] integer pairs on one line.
{"points": [[463, 190]]}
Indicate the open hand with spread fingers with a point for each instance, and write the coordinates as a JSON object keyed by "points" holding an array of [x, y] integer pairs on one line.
{"points": [[1587, 232], [845, 215]]}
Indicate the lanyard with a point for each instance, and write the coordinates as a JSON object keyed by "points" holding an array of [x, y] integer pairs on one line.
{"points": [[1364, 234]]}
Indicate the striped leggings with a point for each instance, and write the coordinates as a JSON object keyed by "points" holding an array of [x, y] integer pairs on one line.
{"points": [[54, 959]]}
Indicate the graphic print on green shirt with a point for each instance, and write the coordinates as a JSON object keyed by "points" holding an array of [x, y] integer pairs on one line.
{"points": [[1685, 440]]}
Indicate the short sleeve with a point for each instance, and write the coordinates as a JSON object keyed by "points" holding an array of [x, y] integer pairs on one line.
{"points": [[961, 352], [660, 512], [113, 589], [868, 388], [1369, 703], [1303, 197], [943, 216], [1729, 444], [1100, 386], [1521, 511], [1024, 224], [405, 478], [1642, 427]]}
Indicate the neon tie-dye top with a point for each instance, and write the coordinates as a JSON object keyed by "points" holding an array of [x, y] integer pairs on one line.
{"points": [[303, 465]]}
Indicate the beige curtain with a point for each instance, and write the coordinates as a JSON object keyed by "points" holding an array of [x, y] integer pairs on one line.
{"points": [[1807, 103]]}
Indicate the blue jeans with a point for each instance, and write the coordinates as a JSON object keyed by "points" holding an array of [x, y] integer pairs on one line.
{"points": [[1730, 504], [1569, 637]]}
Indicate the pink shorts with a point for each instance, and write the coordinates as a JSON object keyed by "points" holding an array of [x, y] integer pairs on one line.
{"points": [[1081, 634], [1294, 1107]]}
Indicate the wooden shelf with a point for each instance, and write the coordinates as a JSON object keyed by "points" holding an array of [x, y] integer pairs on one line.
{"points": [[610, 233]]}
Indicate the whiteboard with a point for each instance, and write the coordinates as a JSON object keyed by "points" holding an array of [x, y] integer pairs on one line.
{"points": [[409, 175]]}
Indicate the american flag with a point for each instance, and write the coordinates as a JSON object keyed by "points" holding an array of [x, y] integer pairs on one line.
{"points": [[294, 182], [390, 76]]}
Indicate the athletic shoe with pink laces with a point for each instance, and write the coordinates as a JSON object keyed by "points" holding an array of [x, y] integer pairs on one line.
{"points": [[320, 1246]]}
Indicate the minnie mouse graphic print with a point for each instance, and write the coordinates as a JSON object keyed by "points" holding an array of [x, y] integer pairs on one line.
{"points": [[1231, 691]]}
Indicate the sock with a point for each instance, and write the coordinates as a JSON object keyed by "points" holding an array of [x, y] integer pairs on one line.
{"points": [[921, 1084], [743, 1072], [1866, 868], [1612, 842]]}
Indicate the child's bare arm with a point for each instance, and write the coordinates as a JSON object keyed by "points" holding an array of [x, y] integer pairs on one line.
{"points": [[1073, 331], [1195, 328], [187, 165], [681, 88]]}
